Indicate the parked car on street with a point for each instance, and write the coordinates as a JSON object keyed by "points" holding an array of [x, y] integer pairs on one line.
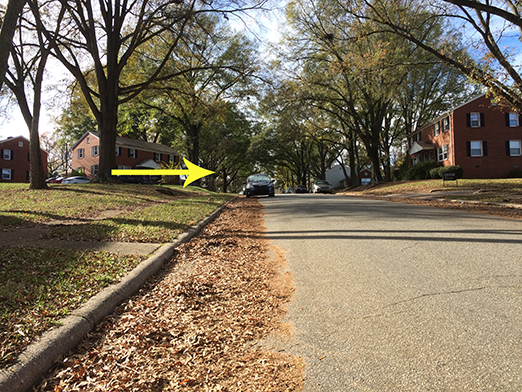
{"points": [[320, 186], [301, 189], [55, 180], [259, 184], [130, 179], [289, 190], [76, 180]]}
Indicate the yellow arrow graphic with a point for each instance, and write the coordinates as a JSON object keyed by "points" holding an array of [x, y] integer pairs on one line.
{"points": [[193, 172]]}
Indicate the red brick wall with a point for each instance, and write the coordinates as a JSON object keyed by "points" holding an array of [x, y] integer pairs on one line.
{"points": [[88, 160], [497, 164], [19, 164]]}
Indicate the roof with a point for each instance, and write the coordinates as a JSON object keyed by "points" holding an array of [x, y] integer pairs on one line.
{"points": [[134, 144], [421, 146], [11, 138], [445, 114], [147, 164]]}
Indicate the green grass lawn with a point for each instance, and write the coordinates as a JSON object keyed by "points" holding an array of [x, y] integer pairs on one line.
{"points": [[40, 286]]}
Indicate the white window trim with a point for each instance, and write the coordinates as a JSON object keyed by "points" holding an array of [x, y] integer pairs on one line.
{"points": [[445, 124], [471, 120], [443, 153], [515, 115], [132, 153], [95, 151], [7, 174], [94, 169], [80, 153], [512, 148], [436, 129], [7, 155], [471, 148]]}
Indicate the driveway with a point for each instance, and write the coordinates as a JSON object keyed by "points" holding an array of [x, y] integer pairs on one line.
{"points": [[396, 297]]}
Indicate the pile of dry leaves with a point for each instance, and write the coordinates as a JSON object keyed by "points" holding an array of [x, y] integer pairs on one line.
{"points": [[195, 326]]}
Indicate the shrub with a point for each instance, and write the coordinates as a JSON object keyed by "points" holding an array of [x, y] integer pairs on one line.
{"points": [[421, 170], [434, 173], [451, 169]]}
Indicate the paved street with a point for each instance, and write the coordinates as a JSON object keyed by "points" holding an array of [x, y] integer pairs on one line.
{"points": [[398, 297]]}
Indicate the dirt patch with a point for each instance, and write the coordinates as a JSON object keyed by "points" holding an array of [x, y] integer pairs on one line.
{"points": [[195, 327]]}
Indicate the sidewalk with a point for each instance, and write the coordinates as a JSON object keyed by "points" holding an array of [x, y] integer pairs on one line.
{"points": [[34, 237]]}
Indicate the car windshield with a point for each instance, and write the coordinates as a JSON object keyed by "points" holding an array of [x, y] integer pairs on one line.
{"points": [[258, 177], [322, 183]]}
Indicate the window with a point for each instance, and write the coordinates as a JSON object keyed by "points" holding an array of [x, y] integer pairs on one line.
{"points": [[172, 158], [442, 153], [122, 167], [445, 124], [7, 155], [95, 151], [475, 120], [512, 119], [513, 148], [6, 174], [80, 170], [94, 170], [87, 140], [132, 153], [20, 144], [81, 153], [157, 157], [476, 149], [436, 129], [118, 151]]}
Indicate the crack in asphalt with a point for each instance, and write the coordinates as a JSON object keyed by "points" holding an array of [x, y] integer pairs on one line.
{"points": [[435, 294]]}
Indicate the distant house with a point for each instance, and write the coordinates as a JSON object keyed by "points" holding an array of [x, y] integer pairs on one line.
{"points": [[481, 137], [130, 154], [335, 176], [365, 176], [15, 160]]}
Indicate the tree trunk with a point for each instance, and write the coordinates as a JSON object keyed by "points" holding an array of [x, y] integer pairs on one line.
{"points": [[14, 8], [108, 136]]}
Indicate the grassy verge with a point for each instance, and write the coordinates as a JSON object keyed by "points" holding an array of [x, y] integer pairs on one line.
{"points": [[157, 223], [40, 286], [20, 206], [495, 190]]}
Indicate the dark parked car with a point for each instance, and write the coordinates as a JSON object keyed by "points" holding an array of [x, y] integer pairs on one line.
{"points": [[130, 179], [259, 184], [301, 189]]}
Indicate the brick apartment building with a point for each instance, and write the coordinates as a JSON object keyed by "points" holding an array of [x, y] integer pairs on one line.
{"points": [[130, 154], [15, 160], [481, 137]]}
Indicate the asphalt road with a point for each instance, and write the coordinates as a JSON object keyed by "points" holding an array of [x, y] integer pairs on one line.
{"points": [[398, 297]]}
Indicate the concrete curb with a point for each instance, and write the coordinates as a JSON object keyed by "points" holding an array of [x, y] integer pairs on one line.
{"points": [[34, 362]]}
